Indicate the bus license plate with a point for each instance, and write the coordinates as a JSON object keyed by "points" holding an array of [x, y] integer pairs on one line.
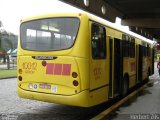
{"points": [[44, 86]]}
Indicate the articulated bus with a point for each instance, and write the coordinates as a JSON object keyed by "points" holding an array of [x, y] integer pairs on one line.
{"points": [[79, 59]]}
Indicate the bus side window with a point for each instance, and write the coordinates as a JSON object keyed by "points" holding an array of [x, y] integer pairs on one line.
{"points": [[98, 42]]}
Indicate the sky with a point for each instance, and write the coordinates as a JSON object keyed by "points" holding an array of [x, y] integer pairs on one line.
{"points": [[12, 11]]}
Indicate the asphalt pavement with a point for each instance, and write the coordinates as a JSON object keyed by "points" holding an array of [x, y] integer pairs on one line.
{"points": [[11, 106], [145, 105]]}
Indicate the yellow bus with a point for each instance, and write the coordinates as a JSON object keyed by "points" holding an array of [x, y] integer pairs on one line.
{"points": [[79, 59]]}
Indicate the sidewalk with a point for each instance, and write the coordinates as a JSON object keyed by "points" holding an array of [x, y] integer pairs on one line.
{"points": [[5, 67], [147, 104]]}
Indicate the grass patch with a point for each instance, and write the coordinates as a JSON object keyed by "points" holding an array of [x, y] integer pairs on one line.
{"points": [[8, 73]]}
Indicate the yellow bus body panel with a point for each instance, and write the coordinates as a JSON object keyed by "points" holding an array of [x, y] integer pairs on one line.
{"points": [[43, 83]]}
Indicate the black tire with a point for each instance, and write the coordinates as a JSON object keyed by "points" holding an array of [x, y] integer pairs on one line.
{"points": [[125, 86], [149, 73]]}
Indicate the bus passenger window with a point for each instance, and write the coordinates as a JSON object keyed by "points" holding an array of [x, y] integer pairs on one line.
{"points": [[128, 46], [98, 42]]}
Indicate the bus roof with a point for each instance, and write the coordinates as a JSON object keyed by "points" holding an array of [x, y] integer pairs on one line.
{"points": [[94, 18], [120, 28]]}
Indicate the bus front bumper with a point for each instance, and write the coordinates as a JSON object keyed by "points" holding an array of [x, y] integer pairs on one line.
{"points": [[79, 99]]}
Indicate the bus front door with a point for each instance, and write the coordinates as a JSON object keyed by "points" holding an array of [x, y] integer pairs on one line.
{"points": [[116, 67], [140, 60]]}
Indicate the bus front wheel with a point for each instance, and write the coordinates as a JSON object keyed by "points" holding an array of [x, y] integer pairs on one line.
{"points": [[125, 86]]}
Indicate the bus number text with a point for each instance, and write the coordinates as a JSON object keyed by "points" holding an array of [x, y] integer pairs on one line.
{"points": [[30, 67]]}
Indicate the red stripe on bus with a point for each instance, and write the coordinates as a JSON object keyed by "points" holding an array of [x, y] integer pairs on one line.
{"points": [[50, 67], [58, 69], [132, 65], [66, 69]]}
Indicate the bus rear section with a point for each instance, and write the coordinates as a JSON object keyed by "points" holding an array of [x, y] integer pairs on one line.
{"points": [[49, 68], [50, 80]]}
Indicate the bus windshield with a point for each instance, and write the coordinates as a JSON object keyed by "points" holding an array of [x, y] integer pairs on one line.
{"points": [[49, 34]]}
